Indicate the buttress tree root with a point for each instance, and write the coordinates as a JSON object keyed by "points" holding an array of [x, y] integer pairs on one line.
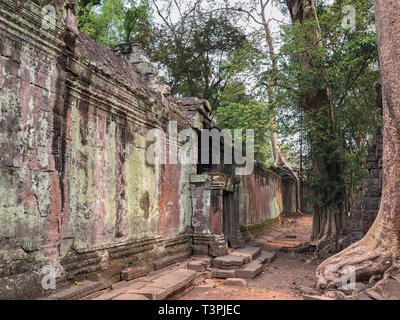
{"points": [[377, 254]]}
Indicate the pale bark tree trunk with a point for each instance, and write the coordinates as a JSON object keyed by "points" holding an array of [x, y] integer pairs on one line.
{"points": [[279, 161], [261, 19], [317, 108], [377, 254]]}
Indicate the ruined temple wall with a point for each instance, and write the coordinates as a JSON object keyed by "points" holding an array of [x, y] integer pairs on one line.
{"points": [[261, 200], [366, 207], [289, 192], [75, 189]]}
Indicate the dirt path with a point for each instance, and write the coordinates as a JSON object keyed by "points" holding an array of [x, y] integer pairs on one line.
{"points": [[280, 279]]}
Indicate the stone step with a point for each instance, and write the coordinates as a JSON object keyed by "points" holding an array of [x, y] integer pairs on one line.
{"points": [[239, 263], [251, 252], [199, 263], [230, 261], [77, 292], [250, 271], [197, 266], [223, 273], [166, 285], [267, 257]]}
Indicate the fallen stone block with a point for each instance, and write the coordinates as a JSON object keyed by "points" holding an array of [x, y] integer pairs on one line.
{"points": [[267, 257], [207, 284], [223, 273], [250, 252], [230, 261], [250, 271], [235, 282], [197, 266]]}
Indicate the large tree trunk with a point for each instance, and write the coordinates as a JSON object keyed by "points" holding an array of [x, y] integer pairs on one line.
{"points": [[377, 254], [316, 104]]}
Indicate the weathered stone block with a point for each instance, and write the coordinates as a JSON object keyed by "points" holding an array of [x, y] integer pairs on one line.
{"points": [[267, 257], [371, 203], [250, 271], [230, 261], [205, 260], [223, 273], [250, 252], [197, 266], [235, 282], [375, 173], [372, 165]]}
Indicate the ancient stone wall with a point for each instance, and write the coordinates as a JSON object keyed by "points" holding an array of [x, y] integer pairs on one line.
{"points": [[262, 198], [366, 207], [77, 193]]}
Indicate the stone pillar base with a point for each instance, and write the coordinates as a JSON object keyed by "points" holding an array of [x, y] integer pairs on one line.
{"points": [[213, 245]]}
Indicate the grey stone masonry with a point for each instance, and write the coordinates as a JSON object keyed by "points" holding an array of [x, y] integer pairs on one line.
{"points": [[366, 208]]}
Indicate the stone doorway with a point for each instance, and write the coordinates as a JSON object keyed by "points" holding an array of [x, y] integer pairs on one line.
{"points": [[227, 215]]}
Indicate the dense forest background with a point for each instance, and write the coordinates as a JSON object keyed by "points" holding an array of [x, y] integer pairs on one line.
{"points": [[259, 72]]}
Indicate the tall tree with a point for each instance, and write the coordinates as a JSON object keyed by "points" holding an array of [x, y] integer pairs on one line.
{"points": [[110, 22], [377, 254], [257, 12], [194, 49], [320, 124]]}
